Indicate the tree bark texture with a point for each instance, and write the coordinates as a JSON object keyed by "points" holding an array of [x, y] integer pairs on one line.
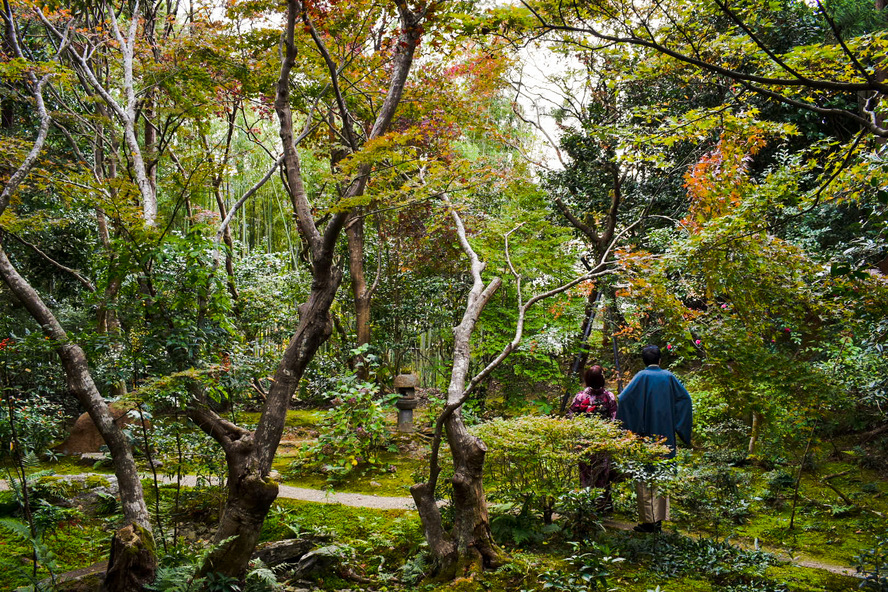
{"points": [[250, 455], [361, 293], [757, 420], [81, 384], [469, 547], [250, 495], [471, 524], [132, 563]]}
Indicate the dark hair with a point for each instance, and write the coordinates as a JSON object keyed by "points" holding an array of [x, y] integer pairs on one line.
{"points": [[650, 354], [594, 377]]}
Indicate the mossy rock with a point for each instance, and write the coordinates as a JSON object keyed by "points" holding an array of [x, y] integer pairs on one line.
{"points": [[94, 481], [56, 489], [88, 583]]}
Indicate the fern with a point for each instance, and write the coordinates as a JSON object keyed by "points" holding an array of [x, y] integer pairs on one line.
{"points": [[261, 578], [175, 579], [42, 553], [180, 578], [16, 527]]}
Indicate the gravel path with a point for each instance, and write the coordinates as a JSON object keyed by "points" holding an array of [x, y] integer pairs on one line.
{"points": [[359, 500], [406, 503]]}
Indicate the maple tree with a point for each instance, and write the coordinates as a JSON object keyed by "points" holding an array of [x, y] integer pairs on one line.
{"points": [[139, 145]]}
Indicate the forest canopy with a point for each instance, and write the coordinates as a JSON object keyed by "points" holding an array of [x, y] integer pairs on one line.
{"points": [[215, 209]]}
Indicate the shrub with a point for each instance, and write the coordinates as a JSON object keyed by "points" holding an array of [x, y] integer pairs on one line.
{"points": [[535, 459], [589, 571], [580, 509], [872, 565], [713, 498], [353, 432], [674, 555], [38, 424]]}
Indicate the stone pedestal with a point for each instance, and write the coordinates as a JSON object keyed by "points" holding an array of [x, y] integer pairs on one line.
{"points": [[405, 413], [406, 386]]}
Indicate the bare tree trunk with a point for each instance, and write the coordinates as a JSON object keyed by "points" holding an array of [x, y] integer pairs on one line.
{"points": [[755, 433], [361, 294], [471, 525], [134, 543], [220, 200], [229, 244], [469, 547], [249, 455], [140, 566]]}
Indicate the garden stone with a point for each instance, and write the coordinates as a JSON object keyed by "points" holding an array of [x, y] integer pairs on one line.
{"points": [[85, 579], [91, 458], [286, 551], [84, 492], [406, 386], [318, 559], [85, 437]]}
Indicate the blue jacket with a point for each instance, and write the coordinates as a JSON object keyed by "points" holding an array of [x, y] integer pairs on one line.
{"points": [[656, 404]]}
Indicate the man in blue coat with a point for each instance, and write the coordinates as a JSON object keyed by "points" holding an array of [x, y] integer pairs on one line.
{"points": [[655, 404]]}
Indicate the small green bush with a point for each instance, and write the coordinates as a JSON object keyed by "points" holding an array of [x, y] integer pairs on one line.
{"points": [[38, 424], [536, 459], [353, 432]]}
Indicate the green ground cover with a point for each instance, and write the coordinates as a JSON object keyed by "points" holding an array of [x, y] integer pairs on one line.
{"points": [[722, 516]]}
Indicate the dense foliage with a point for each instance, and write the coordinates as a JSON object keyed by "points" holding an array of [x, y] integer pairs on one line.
{"points": [[724, 164]]}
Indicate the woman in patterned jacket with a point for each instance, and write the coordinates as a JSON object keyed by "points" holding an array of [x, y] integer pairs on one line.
{"points": [[595, 400]]}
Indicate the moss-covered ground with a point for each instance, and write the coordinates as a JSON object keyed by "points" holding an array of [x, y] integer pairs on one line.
{"points": [[386, 547], [712, 543]]}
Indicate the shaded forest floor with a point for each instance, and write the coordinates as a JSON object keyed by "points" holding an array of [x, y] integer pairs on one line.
{"points": [[730, 528]]}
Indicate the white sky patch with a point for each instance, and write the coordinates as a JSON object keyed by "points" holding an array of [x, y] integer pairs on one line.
{"points": [[543, 82]]}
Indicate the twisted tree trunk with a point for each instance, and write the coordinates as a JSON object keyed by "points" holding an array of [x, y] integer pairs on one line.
{"points": [[133, 559], [249, 455], [470, 546]]}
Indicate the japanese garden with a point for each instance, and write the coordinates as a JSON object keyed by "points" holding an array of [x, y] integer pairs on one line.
{"points": [[441, 295]]}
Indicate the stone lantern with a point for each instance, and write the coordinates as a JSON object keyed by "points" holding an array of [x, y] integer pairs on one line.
{"points": [[405, 384]]}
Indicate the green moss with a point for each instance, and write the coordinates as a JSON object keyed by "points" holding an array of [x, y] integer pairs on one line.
{"points": [[70, 465], [75, 544], [816, 532], [811, 580], [296, 418], [343, 522], [370, 479], [53, 485], [94, 481]]}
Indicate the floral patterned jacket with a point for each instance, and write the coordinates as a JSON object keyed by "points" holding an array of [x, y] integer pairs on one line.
{"points": [[592, 401]]}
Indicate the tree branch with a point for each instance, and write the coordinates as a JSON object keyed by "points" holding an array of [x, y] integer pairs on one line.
{"points": [[334, 81], [590, 232], [702, 64], [85, 282], [237, 205]]}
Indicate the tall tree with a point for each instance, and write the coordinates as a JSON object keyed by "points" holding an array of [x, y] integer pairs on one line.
{"points": [[133, 558], [249, 454], [469, 545]]}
